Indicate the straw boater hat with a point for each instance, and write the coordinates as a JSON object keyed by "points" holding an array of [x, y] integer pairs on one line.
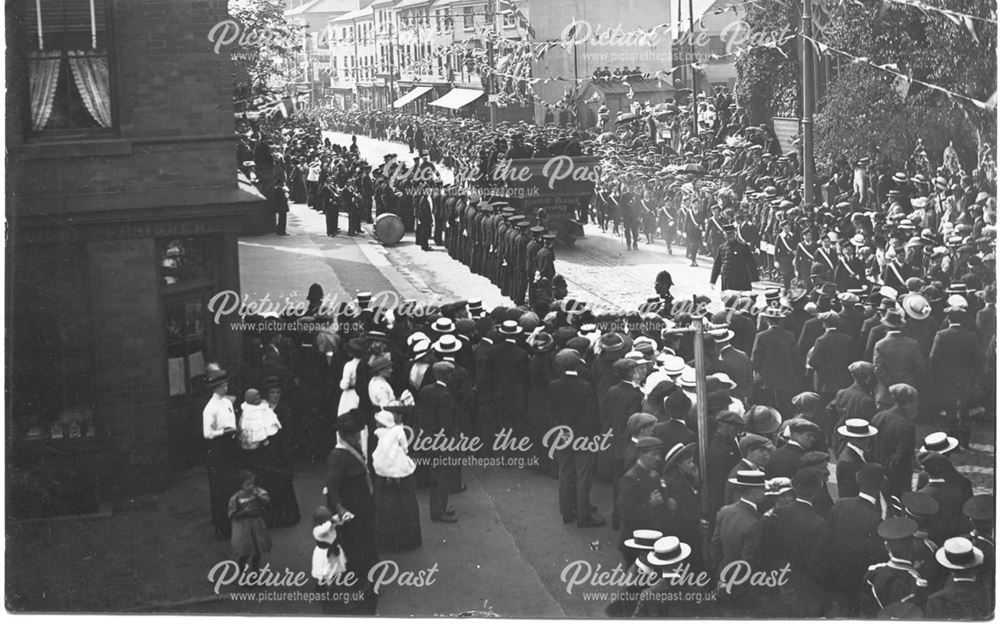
{"points": [[939, 442], [667, 551], [958, 553], [677, 453], [857, 428], [748, 478], [643, 539]]}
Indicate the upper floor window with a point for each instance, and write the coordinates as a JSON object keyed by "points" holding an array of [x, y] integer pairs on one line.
{"points": [[68, 63], [468, 18]]}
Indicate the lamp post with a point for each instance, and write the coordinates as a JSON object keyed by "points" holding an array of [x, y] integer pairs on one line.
{"points": [[694, 74], [808, 105], [490, 79]]}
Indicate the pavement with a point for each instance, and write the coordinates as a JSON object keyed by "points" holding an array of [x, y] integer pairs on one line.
{"points": [[507, 554]]}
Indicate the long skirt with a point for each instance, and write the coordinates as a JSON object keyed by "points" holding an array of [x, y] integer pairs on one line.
{"points": [[250, 537], [221, 462], [397, 517]]}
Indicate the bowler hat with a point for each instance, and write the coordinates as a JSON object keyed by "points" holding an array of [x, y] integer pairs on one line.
{"points": [[762, 420]]}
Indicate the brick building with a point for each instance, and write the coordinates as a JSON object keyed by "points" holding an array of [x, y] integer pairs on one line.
{"points": [[123, 209]]}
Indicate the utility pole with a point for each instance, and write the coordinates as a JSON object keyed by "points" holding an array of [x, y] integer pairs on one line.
{"points": [[490, 79], [808, 104], [694, 74]]}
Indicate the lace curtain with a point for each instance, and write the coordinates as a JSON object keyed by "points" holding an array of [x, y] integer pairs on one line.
{"points": [[43, 78], [91, 76]]}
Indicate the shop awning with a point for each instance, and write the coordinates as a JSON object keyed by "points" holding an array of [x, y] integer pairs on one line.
{"points": [[412, 95], [457, 98]]}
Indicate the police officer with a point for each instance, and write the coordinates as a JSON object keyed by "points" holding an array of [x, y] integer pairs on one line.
{"points": [[545, 260], [735, 263]]}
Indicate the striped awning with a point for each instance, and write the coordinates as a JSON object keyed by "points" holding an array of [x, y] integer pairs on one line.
{"points": [[411, 96], [457, 98]]}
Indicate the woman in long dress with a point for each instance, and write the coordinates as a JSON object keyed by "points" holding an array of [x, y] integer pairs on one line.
{"points": [[350, 495], [397, 512], [279, 464]]}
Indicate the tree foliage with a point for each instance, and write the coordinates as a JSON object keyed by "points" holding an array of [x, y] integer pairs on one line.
{"points": [[865, 106], [263, 53]]}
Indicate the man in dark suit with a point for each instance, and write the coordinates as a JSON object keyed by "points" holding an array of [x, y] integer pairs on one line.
{"points": [[507, 378], [736, 364], [897, 359], [830, 358], [756, 451], [723, 453], [965, 596], [674, 430], [785, 461], [640, 502], [955, 362], [776, 363], [797, 535], [857, 545], [621, 401], [425, 222], [894, 445], [737, 532], [854, 401], [436, 413], [572, 402], [949, 521], [857, 434]]}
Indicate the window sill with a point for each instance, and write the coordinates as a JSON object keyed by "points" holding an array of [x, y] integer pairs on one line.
{"points": [[74, 148]]}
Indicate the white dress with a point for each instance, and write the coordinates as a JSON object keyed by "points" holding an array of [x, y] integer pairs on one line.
{"points": [[348, 394], [389, 457], [327, 562], [257, 423]]}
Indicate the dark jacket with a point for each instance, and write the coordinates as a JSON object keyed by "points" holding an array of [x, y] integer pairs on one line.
{"points": [[831, 355], [572, 402], [775, 359], [893, 447], [955, 361]]}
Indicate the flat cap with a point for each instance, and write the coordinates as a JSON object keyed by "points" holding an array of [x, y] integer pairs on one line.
{"points": [[919, 505], [751, 442]]}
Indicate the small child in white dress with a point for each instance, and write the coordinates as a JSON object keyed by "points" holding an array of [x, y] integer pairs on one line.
{"points": [[390, 458], [328, 557], [258, 421]]}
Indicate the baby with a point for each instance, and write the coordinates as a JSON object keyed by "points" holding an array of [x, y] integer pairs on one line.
{"points": [[258, 421], [390, 458]]}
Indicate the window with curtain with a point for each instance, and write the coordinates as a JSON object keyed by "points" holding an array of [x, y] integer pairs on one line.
{"points": [[66, 44]]}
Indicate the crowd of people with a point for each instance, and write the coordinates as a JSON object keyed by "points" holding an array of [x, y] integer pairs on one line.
{"points": [[885, 322]]}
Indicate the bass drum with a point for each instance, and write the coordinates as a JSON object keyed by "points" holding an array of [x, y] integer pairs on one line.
{"points": [[388, 228]]}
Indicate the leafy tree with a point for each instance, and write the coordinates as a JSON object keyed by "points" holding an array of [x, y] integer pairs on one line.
{"points": [[263, 53]]}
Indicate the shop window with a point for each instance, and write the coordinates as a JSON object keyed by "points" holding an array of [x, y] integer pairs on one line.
{"points": [[184, 321], [183, 260]]}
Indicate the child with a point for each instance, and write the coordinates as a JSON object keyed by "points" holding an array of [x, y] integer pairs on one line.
{"points": [[258, 421], [250, 538], [328, 558]]}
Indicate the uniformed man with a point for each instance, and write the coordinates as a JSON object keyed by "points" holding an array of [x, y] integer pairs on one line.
{"points": [[895, 580], [805, 255], [735, 263], [546, 257], [784, 254], [531, 250], [520, 281], [922, 509]]}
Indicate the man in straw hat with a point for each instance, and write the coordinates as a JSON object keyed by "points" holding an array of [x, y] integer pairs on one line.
{"points": [[857, 433], [965, 596], [854, 401], [756, 451], [737, 526], [667, 555]]}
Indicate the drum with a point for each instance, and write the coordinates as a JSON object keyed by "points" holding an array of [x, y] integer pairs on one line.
{"points": [[388, 228]]}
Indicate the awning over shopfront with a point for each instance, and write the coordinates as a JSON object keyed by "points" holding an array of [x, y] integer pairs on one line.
{"points": [[457, 98], [411, 96]]}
